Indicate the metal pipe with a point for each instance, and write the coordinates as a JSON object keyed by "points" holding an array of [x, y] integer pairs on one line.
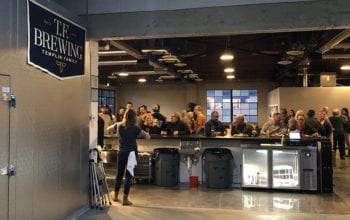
{"points": [[305, 77]]}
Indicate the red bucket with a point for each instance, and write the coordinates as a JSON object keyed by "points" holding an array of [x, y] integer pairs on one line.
{"points": [[193, 181]]}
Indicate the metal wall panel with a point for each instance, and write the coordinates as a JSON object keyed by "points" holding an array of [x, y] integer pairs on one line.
{"points": [[49, 129], [4, 144]]}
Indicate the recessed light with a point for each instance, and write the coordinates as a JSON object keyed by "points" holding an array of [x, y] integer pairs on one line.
{"points": [[230, 76], [142, 80], [229, 70]]}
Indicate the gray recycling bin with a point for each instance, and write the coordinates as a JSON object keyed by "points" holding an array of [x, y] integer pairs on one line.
{"points": [[166, 166], [218, 167]]}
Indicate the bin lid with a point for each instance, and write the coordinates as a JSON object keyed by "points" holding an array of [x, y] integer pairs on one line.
{"points": [[170, 150], [217, 150]]}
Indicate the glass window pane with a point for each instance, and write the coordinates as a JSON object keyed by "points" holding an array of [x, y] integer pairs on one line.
{"points": [[253, 105], [226, 119], [218, 92], [226, 105], [236, 93], [226, 112], [244, 106], [210, 93], [253, 119], [245, 112], [235, 112], [233, 101], [253, 112]]}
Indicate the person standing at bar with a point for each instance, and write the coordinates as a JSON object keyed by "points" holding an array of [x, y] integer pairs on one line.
{"points": [[128, 132], [200, 120]]}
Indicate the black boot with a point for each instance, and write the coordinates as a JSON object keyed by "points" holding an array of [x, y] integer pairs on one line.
{"points": [[115, 199], [126, 201]]}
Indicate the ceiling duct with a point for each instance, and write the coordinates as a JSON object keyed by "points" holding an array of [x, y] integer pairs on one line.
{"points": [[328, 79], [305, 77], [139, 55]]}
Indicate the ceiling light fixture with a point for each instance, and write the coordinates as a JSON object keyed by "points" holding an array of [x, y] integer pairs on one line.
{"points": [[295, 52], [284, 62], [117, 62], [230, 77], [112, 77], [123, 74], [142, 80], [169, 59], [345, 67], [227, 56], [113, 52], [180, 64], [229, 70], [155, 51]]}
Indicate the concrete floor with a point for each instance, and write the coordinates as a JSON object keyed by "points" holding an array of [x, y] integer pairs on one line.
{"points": [[182, 202]]}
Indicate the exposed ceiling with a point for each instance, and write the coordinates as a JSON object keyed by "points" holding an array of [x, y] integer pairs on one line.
{"points": [[256, 56]]}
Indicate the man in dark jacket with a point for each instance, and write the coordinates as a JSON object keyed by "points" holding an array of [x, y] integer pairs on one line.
{"points": [[312, 122], [176, 126], [160, 120], [338, 125], [214, 127]]}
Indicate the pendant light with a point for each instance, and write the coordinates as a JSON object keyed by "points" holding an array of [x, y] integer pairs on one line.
{"points": [[227, 55]]}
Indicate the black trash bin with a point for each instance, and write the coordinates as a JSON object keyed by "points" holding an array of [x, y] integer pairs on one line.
{"points": [[218, 167], [166, 166]]}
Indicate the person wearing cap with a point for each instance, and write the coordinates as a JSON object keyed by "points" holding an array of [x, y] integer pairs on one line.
{"points": [[159, 119], [176, 127]]}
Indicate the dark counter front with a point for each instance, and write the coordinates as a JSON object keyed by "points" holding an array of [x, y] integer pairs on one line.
{"points": [[310, 169]]}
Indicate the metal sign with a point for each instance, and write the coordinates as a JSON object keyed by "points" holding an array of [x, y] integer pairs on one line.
{"points": [[55, 44]]}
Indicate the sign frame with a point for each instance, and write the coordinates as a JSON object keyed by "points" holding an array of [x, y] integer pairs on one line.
{"points": [[51, 60]]}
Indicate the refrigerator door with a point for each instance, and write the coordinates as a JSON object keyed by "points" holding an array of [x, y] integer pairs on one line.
{"points": [[255, 170], [285, 169]]}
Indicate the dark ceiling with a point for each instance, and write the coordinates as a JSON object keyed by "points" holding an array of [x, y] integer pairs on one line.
{"points": [[256, 57]]}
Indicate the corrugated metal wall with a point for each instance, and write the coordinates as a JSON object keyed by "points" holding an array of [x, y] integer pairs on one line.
{"points": [[49, 129]]}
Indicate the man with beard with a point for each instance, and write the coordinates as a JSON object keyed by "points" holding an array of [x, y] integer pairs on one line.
{"points": [[214, 127]]}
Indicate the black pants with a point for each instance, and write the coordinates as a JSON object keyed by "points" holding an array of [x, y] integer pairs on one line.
{"points": [[122, 162], [340, 141]]}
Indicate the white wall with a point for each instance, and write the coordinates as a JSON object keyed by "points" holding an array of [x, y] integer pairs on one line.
{"points": [[313, 97]]}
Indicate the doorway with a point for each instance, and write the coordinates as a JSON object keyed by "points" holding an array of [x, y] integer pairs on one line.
{"points": [[4, 145]]}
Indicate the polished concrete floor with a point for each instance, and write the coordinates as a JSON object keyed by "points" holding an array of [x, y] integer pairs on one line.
{"points": [[182, 202]]}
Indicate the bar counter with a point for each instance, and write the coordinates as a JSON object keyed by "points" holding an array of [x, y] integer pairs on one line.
{"points": [[313, 153]]}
